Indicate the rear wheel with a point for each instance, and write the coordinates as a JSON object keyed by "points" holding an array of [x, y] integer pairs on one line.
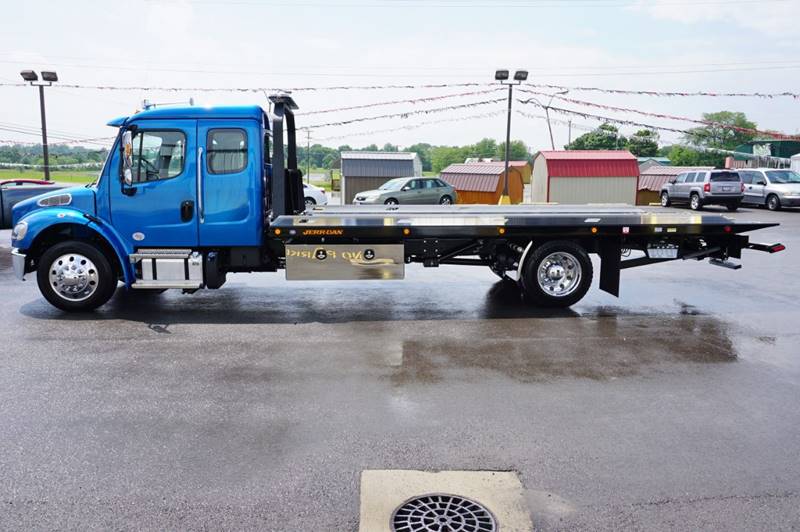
{"points": [[75, 276], [310, 202], [694, 202], [391, 201], [557, 274], [446, 200], [773, 202], [665, 202]]}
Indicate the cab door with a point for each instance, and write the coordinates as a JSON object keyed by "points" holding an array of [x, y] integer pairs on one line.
{"points": [[158, 209], [230, 195]]}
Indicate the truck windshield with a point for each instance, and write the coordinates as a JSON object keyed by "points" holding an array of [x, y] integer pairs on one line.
{"points": [[783, 176], [393, 184]]}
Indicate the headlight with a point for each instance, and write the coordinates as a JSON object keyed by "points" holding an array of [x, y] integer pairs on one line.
{"points": [[55, 201], [19, 231]]}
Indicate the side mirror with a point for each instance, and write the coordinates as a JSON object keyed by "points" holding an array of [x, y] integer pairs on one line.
{"points": [[405, 188], [127, 157], [761, 182], [672, 181]]}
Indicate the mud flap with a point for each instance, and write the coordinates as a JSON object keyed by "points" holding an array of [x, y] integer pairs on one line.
{"points": [[610, 260]]}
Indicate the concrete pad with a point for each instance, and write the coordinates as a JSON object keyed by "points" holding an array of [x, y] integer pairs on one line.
{"points": [[501, 492]]}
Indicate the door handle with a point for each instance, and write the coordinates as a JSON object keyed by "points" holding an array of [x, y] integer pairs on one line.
{"points": [[187, 210], [200, 184]]}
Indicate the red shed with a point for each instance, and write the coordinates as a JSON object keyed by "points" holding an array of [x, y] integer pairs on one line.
{"points": [[585, 176]]}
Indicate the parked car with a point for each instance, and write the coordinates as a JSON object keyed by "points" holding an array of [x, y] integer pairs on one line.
{"points": [[409, 190], [12, 191], [771, 187], [314, 195], [707, 187]]}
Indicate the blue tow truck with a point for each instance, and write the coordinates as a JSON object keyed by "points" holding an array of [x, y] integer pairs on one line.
{"points": [[188, 195]]}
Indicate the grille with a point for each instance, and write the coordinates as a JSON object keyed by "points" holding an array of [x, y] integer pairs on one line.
{"points": [[442, 513]]}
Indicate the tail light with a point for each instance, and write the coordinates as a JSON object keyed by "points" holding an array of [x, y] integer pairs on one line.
{"points": [[742, 187], [707, 187]]}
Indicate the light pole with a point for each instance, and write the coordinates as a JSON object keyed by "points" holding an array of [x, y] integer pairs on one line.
{"points": [[48, 77], [502, 77]]}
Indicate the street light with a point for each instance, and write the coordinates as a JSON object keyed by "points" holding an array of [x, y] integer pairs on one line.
{"points": [[48, 78], [502, 77]]}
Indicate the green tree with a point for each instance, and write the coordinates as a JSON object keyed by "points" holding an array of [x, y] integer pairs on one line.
{"points": [[722, 134], [444, 156], [605, 137], [424, 151], [643, 143], [518, 152], [390, 147], [484, 148], [687, 156]]}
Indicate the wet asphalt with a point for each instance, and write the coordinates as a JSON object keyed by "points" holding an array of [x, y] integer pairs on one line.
{"points": [[257, 406]]}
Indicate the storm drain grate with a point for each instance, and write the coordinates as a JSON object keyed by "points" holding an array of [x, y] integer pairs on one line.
{"points": [[442, 513]]}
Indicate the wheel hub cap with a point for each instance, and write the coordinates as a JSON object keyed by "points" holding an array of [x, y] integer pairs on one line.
{"points": [[559, 274], [73, 277]]}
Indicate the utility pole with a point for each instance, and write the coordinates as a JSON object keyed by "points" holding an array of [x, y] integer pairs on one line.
{"points": [[569, 134], [308, 156], [519, 77], [47, 79]]}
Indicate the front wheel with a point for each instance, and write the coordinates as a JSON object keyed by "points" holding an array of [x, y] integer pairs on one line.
{"points": [[773, 203], [557, 274], [390, 201], [665, 202], [75, 276]]}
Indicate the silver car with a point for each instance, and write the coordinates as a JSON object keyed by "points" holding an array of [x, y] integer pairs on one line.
{"points": [[771, 187], [705, 187], [409, 191]]}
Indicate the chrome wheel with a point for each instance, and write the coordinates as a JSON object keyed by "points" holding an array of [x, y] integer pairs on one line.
{"points": [[695, 202], [73, 277], [665, 200], [559, 274], [310, 203]]}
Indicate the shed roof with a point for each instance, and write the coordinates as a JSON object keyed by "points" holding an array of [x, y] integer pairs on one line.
{"points": [[489, 168], [380, 155], [472, 182], [590, 163], [654, 177]]}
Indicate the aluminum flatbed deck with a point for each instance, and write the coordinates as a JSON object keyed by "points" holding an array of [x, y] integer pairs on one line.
{"points": [[465, 221]]}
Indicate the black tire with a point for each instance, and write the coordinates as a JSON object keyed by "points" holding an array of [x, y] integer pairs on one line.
{"points": [[106, 278], [665, 201], [694, 202], [391, 201], [773, 202], [445, 200], [538, 295], [732, 207]]}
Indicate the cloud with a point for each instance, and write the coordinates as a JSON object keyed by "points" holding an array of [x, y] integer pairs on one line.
{"points": [[771, 18]]}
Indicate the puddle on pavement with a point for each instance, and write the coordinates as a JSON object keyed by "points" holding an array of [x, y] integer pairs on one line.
{"points": [[596, 348]]}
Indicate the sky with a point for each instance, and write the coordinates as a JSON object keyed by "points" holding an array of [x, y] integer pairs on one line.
{"points": [[660, 45]]}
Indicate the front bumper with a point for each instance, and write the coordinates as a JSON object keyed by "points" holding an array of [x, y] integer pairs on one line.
{"points": [[18, 262], [793, 201]]}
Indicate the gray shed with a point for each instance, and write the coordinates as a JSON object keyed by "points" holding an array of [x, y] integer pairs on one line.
{"points": [[367, 170]]}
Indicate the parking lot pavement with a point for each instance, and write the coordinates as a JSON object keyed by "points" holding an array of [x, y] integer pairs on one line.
{"points": [[259, 405]]}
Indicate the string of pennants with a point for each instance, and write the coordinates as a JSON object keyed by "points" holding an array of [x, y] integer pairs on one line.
{"points": [[654, 115], [670, 94]]}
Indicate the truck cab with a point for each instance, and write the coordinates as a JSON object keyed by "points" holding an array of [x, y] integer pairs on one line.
{"points": [[177, 182]]}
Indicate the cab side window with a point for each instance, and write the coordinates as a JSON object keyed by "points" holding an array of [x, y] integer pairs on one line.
{"points": [[226, 151], [157, 155], [681, 178]]}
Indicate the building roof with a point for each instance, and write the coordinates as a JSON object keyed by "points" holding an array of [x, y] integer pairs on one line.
{"points": [[380, 155], [653, 178], [492, 168], [663, 160], [590, 163]]}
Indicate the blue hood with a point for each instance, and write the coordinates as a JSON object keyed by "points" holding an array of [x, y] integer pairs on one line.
{"points": [[82, 199]]}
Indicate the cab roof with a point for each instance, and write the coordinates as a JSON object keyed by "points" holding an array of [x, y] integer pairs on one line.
{"points": [[190, 112]]}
